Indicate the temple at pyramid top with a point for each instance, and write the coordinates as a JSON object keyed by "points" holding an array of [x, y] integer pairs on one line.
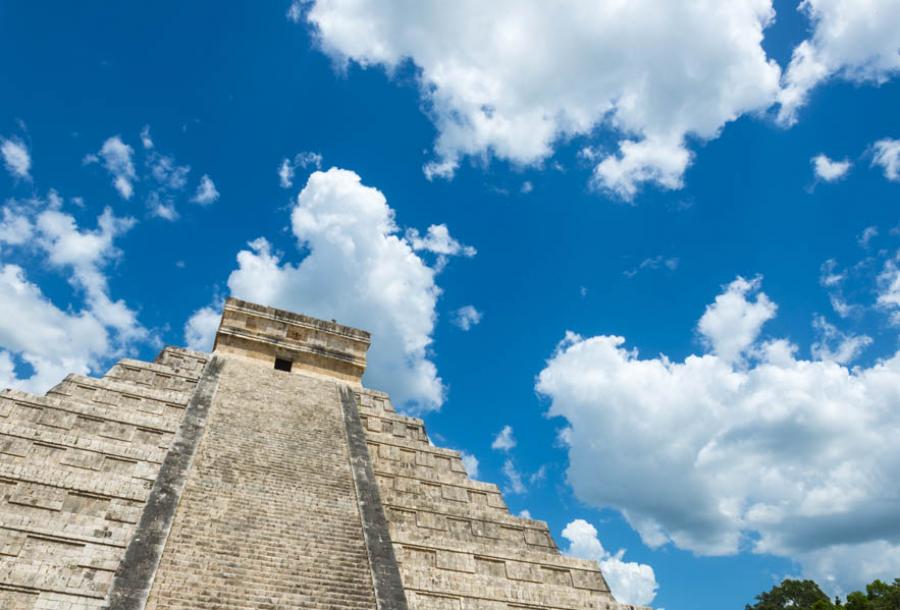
{"points": [[292, 341]]}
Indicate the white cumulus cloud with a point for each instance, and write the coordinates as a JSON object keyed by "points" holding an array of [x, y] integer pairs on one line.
{"points": [[466, 317], [773, 454], [630, 582], [829, 170], [359, 269], [470, 463], [51, 341], [163, 180], [200, 329], [16, 228], [41, 341], [856, 40], [206, 191], [505, 440], [117, 157], [889, 289], [84, 254], [732, 323], [887, 156], [511, 79], [16, 157], [438, 240]]}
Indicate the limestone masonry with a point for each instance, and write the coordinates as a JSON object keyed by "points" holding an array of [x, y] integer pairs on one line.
{"points": [[262, 475]]}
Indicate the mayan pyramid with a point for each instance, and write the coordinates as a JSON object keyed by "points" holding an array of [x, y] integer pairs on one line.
{"points": [[259, 476]]}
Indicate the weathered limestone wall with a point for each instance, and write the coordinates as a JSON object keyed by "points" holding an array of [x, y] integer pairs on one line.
{"points": [[76, 469], [314, 347], [458, 546], [269, 517], [215, 482]]}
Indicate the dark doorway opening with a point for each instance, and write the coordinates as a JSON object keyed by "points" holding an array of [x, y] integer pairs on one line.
{"points": [[282, 364]]}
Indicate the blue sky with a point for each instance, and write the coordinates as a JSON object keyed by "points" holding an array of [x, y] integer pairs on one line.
{"points": [[504, 133]]}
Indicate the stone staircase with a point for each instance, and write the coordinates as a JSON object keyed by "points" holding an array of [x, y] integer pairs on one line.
{"points": [[269, 517]]}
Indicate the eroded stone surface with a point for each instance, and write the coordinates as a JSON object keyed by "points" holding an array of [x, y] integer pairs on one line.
{"points": [[457, 544], [76, 469], [269, 517], [206, 481]]}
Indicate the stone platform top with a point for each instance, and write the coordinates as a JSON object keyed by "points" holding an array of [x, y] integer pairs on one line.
{"points": [[295, 341]]}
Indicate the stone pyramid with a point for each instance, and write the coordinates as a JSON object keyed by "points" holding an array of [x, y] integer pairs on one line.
{"points": [[260, 476]]}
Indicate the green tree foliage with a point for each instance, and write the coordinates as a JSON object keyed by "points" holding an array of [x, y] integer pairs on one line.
{"points": [[878, 596], [793, 595], [806, 595]]}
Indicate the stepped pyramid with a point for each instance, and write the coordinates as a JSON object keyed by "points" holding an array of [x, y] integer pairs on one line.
{"points": [[259, 476]]}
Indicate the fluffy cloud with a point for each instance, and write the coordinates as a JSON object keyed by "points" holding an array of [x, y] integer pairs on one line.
{"points": [[360, 270], [887, 155], [715, 454], [732, 323], [206, 191], [51, 341], [470, 463], [117, 157], [15, 228], [889, 284], [437, 240], [83, 254], [504, 441], [466, 317], [41, 342], [200, 329], [16, 157], [630, 582], [512, 79], [164, 180], [33, 331], [829, 170], [852, 39]]}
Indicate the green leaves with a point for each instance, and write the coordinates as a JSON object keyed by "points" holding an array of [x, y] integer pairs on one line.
{"points": [[793, 595], [806, 595]]}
